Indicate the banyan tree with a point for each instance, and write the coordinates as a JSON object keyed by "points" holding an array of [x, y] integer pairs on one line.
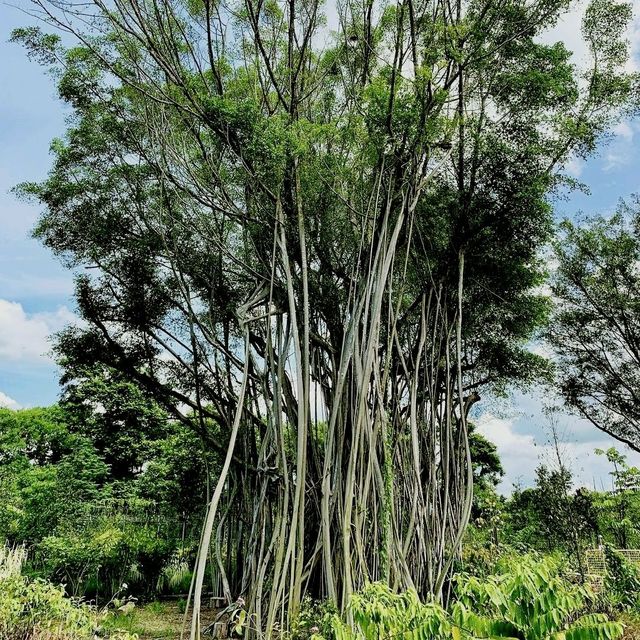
{"points": [[312, 232]]}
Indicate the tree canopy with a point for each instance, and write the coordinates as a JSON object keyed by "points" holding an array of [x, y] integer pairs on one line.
{"points": [[596, 326]]}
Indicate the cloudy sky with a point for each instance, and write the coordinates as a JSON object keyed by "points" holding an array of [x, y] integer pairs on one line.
{"points": [[35, 291]]}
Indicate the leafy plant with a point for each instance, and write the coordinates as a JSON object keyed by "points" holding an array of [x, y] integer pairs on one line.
{"points": [[315, 617], [39, 610], [532, 601], [379, 613], [622, 582], [620, 508]]}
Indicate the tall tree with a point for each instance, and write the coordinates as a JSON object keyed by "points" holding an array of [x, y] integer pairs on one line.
{"points": [[288, 228], [596, 327]]}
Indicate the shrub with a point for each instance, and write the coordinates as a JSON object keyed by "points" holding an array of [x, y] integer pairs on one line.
{"points": [[621, 584], [96, 558], [530, 601], [314, 617], [378, 613], [176, 574], [39, 610]]}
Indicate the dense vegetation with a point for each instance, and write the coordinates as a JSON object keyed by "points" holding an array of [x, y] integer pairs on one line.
{"points": [[100, 530], [88, 520]]}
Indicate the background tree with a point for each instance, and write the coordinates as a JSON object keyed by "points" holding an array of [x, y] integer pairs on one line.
{"points": [[116, 415], [47, 473], [87, 525], [287, 227], [487, 472], [596, 326], [552, 516], [620, 507], [487, 467]]}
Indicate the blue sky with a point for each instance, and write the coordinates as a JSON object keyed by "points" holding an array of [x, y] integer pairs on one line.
{"points": [[36, 292]]}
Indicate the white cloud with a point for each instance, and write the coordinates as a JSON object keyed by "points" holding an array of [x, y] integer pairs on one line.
{"points": [[25, 336], [518, 451], [524, 444], [623, 130], [575, 166], [621, 148], [8, 403], [568, 30], [542, 349]]}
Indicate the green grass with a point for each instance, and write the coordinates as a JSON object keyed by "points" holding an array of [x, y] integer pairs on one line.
{"points": [[154, 621]]}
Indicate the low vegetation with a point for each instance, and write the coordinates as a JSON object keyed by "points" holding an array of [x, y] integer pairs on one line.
{"points": [[34, 609], [532, 600]]}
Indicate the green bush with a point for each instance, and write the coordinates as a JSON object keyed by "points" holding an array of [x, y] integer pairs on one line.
{"points": [[314, 617], [96, 557], [621, 590], [379, 613], [35, 609], [39, 610], [530, 601]]}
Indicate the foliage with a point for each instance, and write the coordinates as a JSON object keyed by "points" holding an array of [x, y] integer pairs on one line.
{"points": [[118, 418], [487, 467], [531, 600], [176, 574], [481, 553], [595, 329], [549, 516], [178, 472], [48, 473], [39, 610], [621, 590], [620, 508], [377, 613], [88, 526], [315, 618], [553, 517], [95, 558]]}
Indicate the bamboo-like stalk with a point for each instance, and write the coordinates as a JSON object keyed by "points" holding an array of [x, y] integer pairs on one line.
{"points": [[215, 500]]}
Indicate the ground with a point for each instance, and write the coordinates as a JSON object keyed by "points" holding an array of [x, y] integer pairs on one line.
{"points": [[156, 620], [631, 627]]}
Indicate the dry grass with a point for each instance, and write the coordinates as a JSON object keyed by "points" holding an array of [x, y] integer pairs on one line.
{"points": [[11, 561], [631, 627]]}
